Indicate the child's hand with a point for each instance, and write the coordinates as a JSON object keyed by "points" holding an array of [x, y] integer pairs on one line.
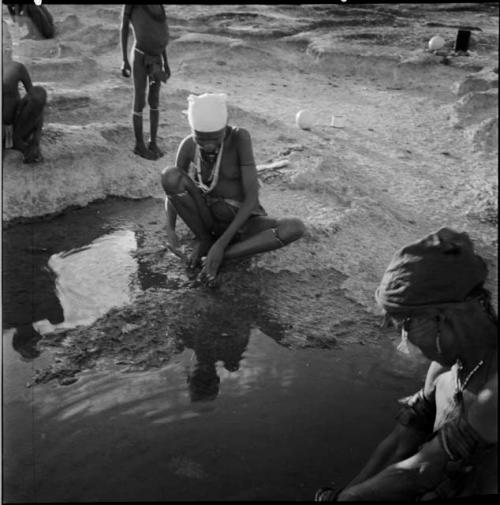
{"points": [[126, 69], [167, 71]]}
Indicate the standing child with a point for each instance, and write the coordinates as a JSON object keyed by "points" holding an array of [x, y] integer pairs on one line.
{"points": [[149, 65]]}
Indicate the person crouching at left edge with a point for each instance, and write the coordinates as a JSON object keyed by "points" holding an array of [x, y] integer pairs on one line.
{"points": [[22, 118], [214, 188]]}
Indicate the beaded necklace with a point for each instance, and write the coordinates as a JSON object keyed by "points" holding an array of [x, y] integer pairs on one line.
{"points": [[213, 179], [460, 387]]}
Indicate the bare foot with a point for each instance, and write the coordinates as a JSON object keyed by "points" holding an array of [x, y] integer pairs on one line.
{"points": [[32, 155], [155, 150], [200, 249], [144, 153]]}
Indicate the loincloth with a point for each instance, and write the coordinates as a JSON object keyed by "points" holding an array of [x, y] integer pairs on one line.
{"points": [[230, 204], [224, 210], [153, 63]]}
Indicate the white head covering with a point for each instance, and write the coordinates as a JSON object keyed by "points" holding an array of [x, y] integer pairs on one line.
{"points": [[207, 112]]}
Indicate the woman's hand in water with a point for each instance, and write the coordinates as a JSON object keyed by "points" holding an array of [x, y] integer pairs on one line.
{"points": [[212, 263]]}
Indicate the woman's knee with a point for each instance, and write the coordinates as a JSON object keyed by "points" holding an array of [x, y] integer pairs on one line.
{"points": [[172, 180], [290, 229]]}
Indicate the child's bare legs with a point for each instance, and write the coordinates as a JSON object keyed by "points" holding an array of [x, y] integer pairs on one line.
{"points": [[154, 117], [140, 83]]}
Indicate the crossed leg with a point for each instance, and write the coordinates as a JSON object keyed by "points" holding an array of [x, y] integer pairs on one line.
{"points": [[185, 197]]}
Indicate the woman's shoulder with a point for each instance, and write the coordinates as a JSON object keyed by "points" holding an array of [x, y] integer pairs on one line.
{"points": [[238, 131], [187, 142], [238, 134]]}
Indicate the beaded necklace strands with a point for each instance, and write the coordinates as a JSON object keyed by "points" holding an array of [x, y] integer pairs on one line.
{"points": [[459, 389], [214, 175]]}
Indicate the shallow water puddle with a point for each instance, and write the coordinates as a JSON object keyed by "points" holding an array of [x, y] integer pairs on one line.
{"points": [[281, 424], [92, 279], [232, 415], [70, 270]]}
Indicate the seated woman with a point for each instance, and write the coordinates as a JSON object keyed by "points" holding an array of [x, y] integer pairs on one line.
{"points": [[445, 442], [214, 189]]}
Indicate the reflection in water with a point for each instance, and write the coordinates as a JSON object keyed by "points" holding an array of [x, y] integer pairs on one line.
{"points": [[93, 279], [217, 329], [263, 437], [209, 348], [24, 341], [44, 293], [160, 395]]}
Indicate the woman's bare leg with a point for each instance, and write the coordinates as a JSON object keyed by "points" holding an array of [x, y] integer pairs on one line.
{"points": [[191, 207]]}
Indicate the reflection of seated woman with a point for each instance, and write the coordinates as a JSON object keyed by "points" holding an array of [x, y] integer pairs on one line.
{"points": [[204, 382], [37, 19], [209, 349]]}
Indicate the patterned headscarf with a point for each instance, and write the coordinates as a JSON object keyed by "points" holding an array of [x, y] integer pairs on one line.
{"points": [[440, 269]]}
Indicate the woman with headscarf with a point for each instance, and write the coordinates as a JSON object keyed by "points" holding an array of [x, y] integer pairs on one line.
{"points": [[445, 442], [214, 188]]}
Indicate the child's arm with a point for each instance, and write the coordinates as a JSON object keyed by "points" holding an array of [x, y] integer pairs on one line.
{"points": [[165, 63], [124, 30]]}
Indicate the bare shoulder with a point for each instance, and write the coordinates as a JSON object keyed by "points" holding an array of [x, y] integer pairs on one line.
{"points": [[187, 143], [185, 152], [240, 132], [241, 136], [435, 370]]}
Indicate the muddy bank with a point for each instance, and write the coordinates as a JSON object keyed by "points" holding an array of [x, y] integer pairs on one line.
{"points": [[296, 310]]}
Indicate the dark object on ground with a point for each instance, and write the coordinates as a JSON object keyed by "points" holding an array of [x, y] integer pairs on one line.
{"points": [[462, 41]]}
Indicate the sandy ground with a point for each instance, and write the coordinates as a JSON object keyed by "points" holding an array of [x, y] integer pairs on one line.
{"points": [[418, 151]]}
